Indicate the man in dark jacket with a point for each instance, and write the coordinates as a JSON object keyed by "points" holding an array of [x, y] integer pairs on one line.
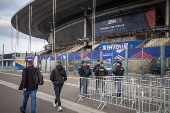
{"points": [[89, 68], [58, 77], [28, 86], [96, 66], [100, 73], [118, 71], [84, 73]]}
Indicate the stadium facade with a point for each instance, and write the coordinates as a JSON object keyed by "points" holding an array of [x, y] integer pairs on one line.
{"points": [[71, 26]]}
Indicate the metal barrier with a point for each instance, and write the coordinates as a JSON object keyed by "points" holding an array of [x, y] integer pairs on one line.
{"points": [[131, 92], [9, 68]]}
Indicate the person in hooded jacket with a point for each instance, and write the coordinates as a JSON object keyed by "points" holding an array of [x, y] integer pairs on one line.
{"points": [[58, 77], [118, 71]]}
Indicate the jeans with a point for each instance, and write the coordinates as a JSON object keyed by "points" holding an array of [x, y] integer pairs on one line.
{"points": [[100, 83], [84, 84], [32, 94], [118, 86], [57, 89]]}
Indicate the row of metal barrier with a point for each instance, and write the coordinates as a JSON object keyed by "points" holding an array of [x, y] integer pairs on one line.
{"points": [[9, 68], [144, 95]]}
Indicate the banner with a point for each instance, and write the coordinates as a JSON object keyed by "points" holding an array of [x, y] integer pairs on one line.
{"points": [[118, 46], [136, 21]]}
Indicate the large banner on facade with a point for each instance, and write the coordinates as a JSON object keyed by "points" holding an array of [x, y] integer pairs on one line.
{"points": [[136, 21], [118, 46]]}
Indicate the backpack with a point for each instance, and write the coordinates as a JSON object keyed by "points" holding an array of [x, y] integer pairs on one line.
{"points": [[58, 78], [38, 78]]}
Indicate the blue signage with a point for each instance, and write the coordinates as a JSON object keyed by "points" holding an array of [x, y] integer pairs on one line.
{"points": [[118, 46]]}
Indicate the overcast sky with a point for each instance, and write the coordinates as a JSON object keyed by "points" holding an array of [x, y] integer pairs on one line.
{"points": [[7, 9]]}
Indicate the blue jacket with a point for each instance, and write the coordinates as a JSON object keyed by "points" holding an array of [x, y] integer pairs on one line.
{"points": [[84, 71]]}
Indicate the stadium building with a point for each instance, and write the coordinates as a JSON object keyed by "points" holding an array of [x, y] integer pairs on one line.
{"points": [[71, 26]]}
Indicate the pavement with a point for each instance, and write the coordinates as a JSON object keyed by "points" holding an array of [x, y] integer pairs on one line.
{"points": [[11, 97]]}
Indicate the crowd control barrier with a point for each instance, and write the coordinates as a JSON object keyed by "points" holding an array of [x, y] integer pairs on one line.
{"points": [[9, 68], [144, 95]]}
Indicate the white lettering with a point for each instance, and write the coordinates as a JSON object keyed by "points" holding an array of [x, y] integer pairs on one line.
{"points": [[115, 46]]}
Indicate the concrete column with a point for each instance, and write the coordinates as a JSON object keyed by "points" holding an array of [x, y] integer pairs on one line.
{"points": [[101, 56], [67, 64], [2, 56]]}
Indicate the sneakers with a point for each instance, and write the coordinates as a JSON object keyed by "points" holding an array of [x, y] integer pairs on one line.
{"points": [[60, 108], [54, 105], [22, 110]]}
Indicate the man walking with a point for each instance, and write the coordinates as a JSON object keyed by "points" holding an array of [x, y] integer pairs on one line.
{"points": [[58, 77], [29, 87]]}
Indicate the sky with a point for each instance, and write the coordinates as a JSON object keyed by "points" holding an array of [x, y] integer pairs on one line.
{"points": [[7, 9]]}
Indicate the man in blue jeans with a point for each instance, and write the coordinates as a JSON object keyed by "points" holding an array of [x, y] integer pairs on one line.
{"points": [[29, 87]]}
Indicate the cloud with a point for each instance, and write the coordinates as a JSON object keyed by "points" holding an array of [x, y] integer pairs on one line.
{"points": [[7, 9]]}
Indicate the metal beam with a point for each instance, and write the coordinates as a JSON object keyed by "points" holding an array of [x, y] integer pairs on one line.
{"points": [[126, 62], [162, 57], [85, 22], [167, 16]]}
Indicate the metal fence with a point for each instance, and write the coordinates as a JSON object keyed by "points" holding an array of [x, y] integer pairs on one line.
{"points": [[137, 60], [10, 68], [149, 94]]}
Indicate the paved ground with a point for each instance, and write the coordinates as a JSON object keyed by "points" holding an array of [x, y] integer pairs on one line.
{"points": [[11, 98]]}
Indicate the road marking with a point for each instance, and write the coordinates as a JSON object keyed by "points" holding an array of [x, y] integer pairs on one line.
{"points": [[73, 78], [67, 77], [46, 80], [67, 104]]}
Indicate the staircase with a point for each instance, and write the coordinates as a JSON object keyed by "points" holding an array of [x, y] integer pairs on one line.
{"points": [[42, 52], [72, 49], [135, 66], [158, 42]]}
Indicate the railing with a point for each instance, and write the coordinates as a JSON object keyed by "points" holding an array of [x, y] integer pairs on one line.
{"points": [[11, 68], [149, 94]]}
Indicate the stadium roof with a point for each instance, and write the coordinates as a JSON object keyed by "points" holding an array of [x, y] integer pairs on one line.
{"points": [[67, 11]]}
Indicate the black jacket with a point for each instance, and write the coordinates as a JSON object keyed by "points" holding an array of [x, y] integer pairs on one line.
{"points": [[96, 67], [58, 75], [118, 71], [101, 71], [84, 71], [28, 78], [90, 70]]}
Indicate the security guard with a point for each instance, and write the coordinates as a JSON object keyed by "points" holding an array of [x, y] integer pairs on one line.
{"points": [[96, 66], [100, 73], [89, 68], [118, 71], [84, 73]]}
